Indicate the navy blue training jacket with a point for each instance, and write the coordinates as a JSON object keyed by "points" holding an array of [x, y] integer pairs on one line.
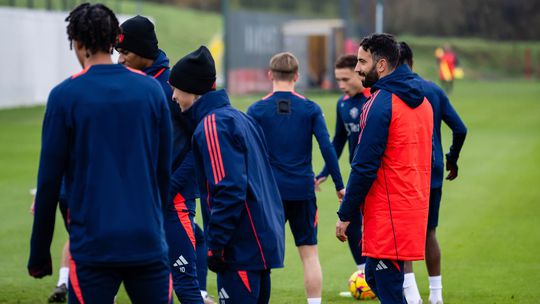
{"points": [[107, 130], [367, 158], [183, 180], [348, 110], [443, 111], [289, 122], [246, 217]]}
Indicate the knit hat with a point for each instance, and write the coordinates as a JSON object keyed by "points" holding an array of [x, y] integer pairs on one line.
{"points": [[138, 36], [195, 73]]}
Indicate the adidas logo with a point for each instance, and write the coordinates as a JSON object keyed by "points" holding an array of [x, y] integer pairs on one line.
{"points": [[381, 266], [223, 294], [181, 261]]}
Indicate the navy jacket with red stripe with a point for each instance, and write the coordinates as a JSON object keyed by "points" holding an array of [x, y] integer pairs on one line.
{"points": [[246, 218]]}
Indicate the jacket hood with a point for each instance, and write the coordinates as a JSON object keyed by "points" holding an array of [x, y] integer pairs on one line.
{"points": [[160, 62], [208, 102], [404, 83]]}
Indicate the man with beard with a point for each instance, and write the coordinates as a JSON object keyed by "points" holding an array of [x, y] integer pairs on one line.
{"points": [[391, 168]]}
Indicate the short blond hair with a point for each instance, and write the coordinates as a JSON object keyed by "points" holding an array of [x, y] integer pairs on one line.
{"points": [[284, 66]]}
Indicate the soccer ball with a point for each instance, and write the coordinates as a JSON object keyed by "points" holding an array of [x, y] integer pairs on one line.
{"points": [[359, 288]]}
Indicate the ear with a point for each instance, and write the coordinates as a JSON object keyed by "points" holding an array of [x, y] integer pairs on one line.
{"points": [[270, 76], [382, 65], [78, 45], [296, 76]]}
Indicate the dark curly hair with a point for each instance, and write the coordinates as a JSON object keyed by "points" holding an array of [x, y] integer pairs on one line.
{"points": [[346, 62], [94, 26], [382, 46]]}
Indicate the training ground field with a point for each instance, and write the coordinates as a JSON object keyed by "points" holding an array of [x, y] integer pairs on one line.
{"points": [[489, 231]]}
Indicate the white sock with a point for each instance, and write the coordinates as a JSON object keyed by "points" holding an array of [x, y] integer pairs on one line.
{"points": [[361, 267], [435, 289], [63, 276], [314, 300], [410, 289]]}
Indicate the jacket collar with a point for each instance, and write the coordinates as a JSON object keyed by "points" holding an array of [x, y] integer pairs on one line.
{"points": [[209, 102]]}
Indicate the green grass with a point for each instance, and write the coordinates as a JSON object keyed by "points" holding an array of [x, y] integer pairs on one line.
{"points": [[488, 228]]}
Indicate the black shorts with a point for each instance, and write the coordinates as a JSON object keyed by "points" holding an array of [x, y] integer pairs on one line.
{"points": [[303, 220], [434, 205]]}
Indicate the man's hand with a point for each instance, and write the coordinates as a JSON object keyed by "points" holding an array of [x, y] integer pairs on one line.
{"points": [[39, 269], [340, 195], [216, 261], [318, 182], [453, 168], [341, 227]]}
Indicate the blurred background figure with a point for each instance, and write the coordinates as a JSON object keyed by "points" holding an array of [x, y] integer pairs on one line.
{"points": [[448, 62]]}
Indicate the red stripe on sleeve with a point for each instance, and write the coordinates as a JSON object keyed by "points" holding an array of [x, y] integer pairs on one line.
{"points": [[218, 175], [210, 151], [219, 159]]}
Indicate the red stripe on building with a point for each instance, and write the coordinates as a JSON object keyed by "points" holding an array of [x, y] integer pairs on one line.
{"points": [[244, 277], [255, 234], [218, 148], [74, 280], [183, 216], [210, 151]]}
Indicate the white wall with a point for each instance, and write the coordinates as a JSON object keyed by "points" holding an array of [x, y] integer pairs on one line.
{"points": [[35, 55]]}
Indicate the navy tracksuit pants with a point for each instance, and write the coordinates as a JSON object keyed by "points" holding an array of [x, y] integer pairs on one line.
{"points": [[147, 283], [179, 230], [385, 278], [354, 238], [246, 287]]}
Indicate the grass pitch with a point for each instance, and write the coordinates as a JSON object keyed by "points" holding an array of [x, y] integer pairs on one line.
{"points": [[488, 229]]}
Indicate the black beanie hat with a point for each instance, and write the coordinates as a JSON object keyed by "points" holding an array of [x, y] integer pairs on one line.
{"points": [[195, 73], [138, 36]]}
